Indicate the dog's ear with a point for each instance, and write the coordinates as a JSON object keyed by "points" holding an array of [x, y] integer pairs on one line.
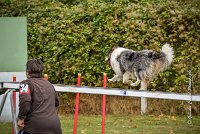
{"points": [[113, 48]]}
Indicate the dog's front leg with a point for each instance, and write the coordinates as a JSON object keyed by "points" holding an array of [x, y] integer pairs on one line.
{"points": [[115, 78], [144, 85]]}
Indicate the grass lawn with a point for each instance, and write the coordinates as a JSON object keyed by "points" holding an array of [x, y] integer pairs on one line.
{"points": [[125, 125], [132, 125]]}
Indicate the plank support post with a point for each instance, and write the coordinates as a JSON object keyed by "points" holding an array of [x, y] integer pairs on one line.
{"points": [[143, 105]]}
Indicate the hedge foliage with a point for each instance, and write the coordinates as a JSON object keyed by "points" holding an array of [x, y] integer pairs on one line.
{"points": [[74, 36]]}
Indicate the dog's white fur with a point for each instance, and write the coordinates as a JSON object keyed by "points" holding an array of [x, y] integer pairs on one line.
{"points": [[144, 67]]}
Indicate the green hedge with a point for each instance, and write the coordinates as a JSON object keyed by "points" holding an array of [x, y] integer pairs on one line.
{"points": [[74, 37]]}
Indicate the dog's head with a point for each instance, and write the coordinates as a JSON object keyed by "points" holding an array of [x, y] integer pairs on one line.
{"points": [[107, 59]]}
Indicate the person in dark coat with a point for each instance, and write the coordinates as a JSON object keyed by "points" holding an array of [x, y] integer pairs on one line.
{"points": [[37, 102]]}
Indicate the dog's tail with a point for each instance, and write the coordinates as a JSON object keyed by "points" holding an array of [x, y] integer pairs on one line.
{"points": [[161, 62], [169, 54]]}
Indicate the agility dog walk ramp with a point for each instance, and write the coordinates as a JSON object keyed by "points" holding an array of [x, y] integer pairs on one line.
{"points": [[114, 91]]}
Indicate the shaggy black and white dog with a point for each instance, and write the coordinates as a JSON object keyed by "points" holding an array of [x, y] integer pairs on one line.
{"points": [[140, 65]]}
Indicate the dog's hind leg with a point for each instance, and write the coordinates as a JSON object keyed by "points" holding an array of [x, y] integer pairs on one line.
{"points": [[144, 85], [133, 76], [115, 78], [137, 81], [126, 77]]}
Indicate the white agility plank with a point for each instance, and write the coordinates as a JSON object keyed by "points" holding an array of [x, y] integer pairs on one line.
{"points": [[10, 85], [123, 92], [116, 91]]}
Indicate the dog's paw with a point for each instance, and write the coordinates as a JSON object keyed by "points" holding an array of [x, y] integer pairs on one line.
{"points": [[143, 89], [110, 80], [133, 84], [127, 82]]}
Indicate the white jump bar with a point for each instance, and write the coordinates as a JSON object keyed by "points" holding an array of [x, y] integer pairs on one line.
{"points": [[116, 91]]}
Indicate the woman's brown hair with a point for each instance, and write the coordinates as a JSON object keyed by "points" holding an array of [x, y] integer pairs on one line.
{"points": [[34, 67]]}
